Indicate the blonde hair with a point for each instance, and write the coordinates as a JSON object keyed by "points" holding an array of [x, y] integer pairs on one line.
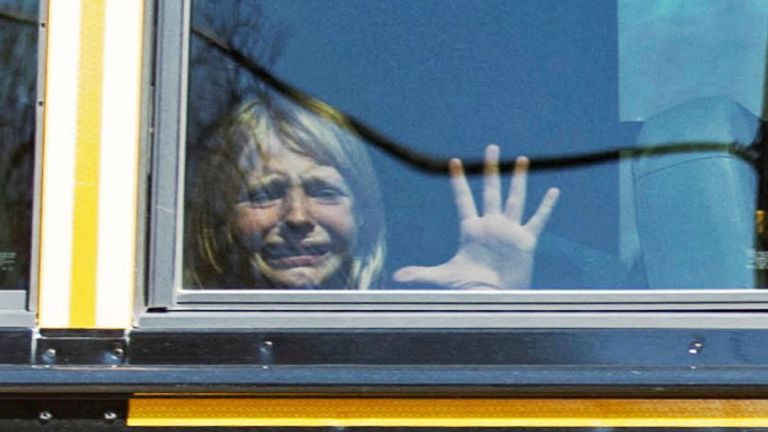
{"points": [[213, 256]]}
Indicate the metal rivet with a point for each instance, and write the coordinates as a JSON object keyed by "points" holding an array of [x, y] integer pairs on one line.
{"points": [[50, 353], [45, 416], [695, 347], [110, 416]]}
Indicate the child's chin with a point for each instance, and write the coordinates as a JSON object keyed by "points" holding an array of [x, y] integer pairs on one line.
{"points": [[301, 278]]}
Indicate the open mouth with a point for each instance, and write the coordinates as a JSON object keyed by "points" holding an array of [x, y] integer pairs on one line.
{"points": [[289, 256]]}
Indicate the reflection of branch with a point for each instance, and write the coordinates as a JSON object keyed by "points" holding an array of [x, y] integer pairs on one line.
{"points": [[437, 165], [17, 18], [743, 152]]}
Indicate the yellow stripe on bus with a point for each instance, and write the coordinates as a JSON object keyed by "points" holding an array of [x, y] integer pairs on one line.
{"points": [[438, 412], [85, 221]]}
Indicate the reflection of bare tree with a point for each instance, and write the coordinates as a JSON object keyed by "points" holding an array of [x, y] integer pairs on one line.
{"points": [[18, 70], [216, 82]]}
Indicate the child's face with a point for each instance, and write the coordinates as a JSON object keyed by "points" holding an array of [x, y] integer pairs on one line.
{"points": [[296, 220]]}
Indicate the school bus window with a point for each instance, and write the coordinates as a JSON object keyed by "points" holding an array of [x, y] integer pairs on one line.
{"points": [[18, 72], [287, 188]]}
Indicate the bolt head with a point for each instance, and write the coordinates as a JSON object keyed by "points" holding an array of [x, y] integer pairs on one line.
{"points": [[695, 347]]}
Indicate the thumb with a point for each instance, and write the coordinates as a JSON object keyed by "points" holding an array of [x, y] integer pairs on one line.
{"points": [[415, 274]]}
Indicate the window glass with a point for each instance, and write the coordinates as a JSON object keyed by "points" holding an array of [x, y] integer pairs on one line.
{"points": [[18, 72], [320, 138]]}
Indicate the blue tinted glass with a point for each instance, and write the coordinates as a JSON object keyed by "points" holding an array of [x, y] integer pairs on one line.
{"points": [[638, 113]]}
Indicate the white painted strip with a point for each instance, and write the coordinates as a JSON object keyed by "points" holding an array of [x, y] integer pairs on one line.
{"points": [[121, 92], [59, 161]]}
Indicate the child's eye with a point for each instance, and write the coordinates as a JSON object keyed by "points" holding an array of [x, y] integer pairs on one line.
{"points": [[264, 196], [326, 193]]}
